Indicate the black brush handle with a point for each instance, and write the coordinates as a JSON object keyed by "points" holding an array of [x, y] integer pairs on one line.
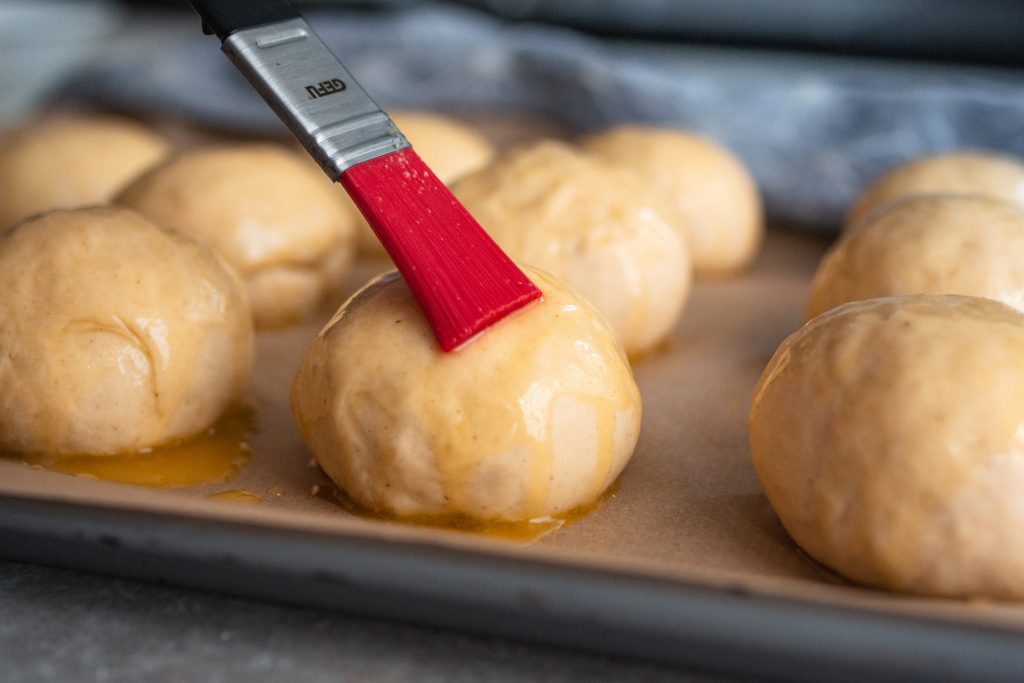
{"points": [[224, 17]]}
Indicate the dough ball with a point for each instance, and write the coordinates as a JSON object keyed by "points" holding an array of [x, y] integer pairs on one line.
{"points": [[887, 436], [986, 175], [535, 417], [592, 225], [67, 162], [449, 147], [115, 335], [702, 190], [267, 212], [938, 244]]}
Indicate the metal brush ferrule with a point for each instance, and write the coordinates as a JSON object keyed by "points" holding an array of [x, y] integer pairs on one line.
{"points": [[315, 96]]}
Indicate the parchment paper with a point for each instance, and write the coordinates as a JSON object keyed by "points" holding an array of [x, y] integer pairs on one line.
{"points": [[688, 506]]}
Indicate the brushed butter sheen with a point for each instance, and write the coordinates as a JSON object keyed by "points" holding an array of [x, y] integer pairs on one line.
{"points": [[534, 418]]}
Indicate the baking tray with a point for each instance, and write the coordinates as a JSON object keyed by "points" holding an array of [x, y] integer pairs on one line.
{"points": [[685, 563]]}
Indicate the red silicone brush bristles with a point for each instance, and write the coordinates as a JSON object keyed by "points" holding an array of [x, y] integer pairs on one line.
{"points": [[462, 280]]}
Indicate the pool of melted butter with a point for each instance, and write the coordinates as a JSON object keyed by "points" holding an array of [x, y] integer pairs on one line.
{"points": [[219, 454], [212, 457], [520, 531]]}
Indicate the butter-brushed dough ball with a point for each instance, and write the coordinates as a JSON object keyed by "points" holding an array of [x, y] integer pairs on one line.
{"points": [[115, 335], [68, 162], [703, 190], [536, 416], [449, 147], [887, 435], [592, 225], [975, 173], [266, 211], [927, 244]]}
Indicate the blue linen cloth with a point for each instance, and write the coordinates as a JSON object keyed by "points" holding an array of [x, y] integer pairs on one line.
{"points": [[813, 129]]}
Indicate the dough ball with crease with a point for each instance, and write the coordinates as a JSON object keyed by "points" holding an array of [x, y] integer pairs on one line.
{"points": [[536, 416], [592, 225], [938, 244], [449, 147], [983, 174], [887, 435], [267, 212], [702, 189], [72, 161], [115, 335]]}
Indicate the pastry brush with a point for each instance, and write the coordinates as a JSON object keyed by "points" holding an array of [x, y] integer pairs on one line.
{"points": [[462, 280]]}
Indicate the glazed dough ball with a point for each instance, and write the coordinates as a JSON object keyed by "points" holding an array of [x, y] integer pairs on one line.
{"points": [[887, 435], [592, 225], [450, 148], [986, 175], [268, 213], [938, 244], [702, 189], [68, 162], [116, 335], [535, 417]]}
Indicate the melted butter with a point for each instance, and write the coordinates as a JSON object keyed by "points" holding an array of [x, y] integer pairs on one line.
{"points": [[520, 531], [531, 424], [237, 497], [605, 416], [504, 431], [215, 456]]}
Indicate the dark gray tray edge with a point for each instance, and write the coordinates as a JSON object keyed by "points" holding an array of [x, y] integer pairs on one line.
{"points": [[520, 597]]}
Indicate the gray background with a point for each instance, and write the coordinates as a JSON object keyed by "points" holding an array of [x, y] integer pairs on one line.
{"points": [[66, 627]]}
